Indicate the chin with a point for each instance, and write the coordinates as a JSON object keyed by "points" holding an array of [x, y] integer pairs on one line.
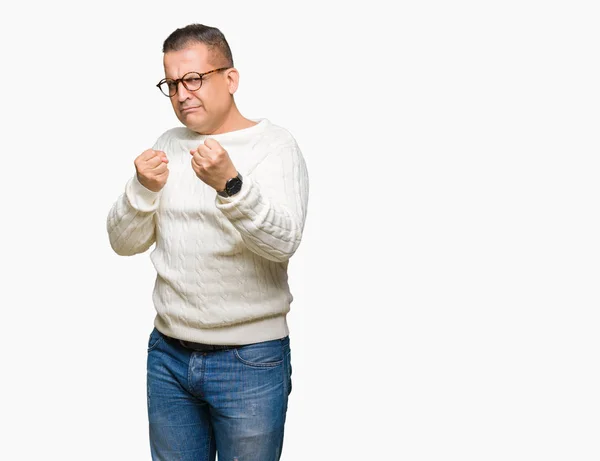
{"points": [[197, 127], [190, 121]]}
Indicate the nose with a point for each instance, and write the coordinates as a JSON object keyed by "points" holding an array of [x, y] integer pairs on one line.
{"points": [[182, 92]]}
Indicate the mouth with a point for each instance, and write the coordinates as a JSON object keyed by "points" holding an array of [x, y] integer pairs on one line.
{"points": [[185, 110]]}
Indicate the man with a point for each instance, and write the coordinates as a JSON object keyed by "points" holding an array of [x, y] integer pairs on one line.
{"points": [[224, 198]]}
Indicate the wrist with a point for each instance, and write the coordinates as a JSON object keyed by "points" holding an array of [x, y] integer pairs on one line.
{"points": [[232, 186]]}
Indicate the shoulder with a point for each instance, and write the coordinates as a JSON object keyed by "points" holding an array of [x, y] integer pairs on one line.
{"points": [[277, 147], [275, 136]]}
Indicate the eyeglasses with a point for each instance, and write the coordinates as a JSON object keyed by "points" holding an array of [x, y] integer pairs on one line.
{"points": [[192, 81]]}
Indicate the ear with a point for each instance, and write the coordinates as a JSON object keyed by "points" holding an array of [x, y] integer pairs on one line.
{"points": [[233, 80]]}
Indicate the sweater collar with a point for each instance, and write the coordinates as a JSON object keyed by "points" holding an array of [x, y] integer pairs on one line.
{"points": [[232, 137]]}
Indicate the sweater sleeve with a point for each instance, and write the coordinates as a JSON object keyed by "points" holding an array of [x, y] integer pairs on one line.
{"points": [[269, 212], [130, 222]]}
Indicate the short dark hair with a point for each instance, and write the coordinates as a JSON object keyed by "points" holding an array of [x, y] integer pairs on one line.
{"points": [[212, 37]]}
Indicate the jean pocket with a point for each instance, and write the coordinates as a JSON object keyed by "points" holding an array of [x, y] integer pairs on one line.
{"points": [[261, 355], [154, 340]]}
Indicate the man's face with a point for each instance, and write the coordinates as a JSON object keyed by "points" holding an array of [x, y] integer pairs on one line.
{"points": [[206, 109]]}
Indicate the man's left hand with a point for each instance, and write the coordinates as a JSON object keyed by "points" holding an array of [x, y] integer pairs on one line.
{"points": [[212, 164]]}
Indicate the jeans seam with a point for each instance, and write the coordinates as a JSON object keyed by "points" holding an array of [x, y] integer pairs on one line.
{"points": [[209, 435], [189, 377], [285, 375], [289, 371]]}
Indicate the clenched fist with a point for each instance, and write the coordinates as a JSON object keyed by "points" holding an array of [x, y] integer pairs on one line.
{"points": [[212, 164], [151, 168]]}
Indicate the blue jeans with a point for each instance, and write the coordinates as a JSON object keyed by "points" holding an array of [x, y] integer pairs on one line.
{"points": [[233, 402]]}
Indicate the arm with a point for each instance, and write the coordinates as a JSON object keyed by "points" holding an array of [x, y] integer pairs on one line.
{"points": [[130, 222], [270, 210]]}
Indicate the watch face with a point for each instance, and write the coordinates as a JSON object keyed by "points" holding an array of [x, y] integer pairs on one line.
{"points": [[234, 185]]}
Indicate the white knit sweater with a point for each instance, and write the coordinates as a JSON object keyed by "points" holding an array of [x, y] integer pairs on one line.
{"points": [[221, 262]]}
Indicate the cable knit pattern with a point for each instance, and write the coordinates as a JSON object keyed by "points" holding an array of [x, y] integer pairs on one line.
{"points": [[221, 262]]}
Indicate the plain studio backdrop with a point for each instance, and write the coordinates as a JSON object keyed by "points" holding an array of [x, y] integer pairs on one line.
{"points": [[446, 290]]}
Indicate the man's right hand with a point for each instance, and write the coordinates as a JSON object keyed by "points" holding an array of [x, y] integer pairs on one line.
{"points": [[151, 168]]}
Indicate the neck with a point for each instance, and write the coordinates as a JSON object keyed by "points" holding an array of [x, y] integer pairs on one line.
{"points": [[233, 122]]}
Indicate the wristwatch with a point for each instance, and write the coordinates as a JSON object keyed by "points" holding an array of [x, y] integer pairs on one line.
{"points": [[232, 186]]}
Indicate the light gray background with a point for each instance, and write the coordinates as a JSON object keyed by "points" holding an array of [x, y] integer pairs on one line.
{"points": [[446, 291]]}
